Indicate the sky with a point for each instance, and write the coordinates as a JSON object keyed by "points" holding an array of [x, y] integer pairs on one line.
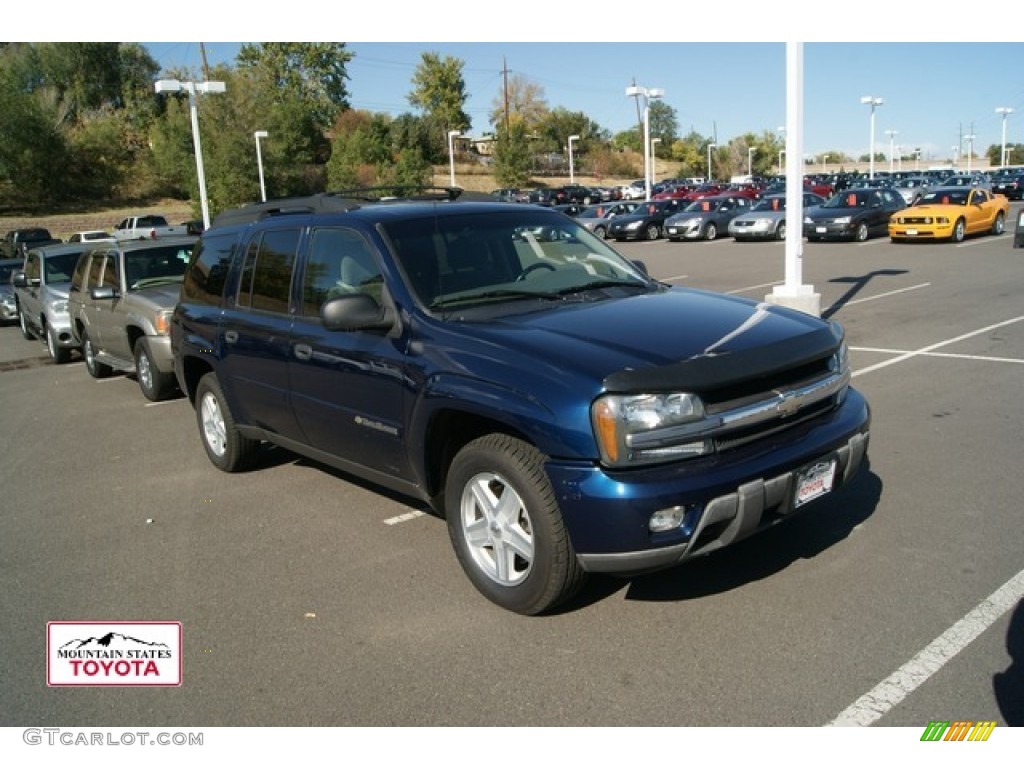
{"points": [[932, 95], [723, 72]]}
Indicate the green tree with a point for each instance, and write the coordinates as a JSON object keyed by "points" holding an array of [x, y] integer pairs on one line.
{"points": [[662, 121], [512, 156], [310, 74], [361, 153], [439, 92]]}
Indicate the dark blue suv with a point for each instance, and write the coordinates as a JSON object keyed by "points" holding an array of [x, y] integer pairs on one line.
{"points": [[562, 410]]}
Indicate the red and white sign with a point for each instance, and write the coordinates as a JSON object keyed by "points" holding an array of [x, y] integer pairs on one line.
{"points": [[113, 653]]}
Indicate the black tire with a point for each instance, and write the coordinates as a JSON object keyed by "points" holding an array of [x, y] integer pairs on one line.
{"points": [[156, 385], [23, 322], [711, 231], [95, 368], [780, 231], [601, 232], [999, 225], [959, 231], [225, 446], [653, 232], [861, 235], [526, 564], [58, 354]]}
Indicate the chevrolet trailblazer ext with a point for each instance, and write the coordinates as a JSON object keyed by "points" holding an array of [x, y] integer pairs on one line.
{"points": [[564, 412]]}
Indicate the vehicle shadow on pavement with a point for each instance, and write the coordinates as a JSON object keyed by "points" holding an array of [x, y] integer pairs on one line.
{"points": [[858, 284], [1009, 685], [803, 537]]}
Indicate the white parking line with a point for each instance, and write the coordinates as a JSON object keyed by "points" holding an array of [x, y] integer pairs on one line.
{"points": [[887, 294], [950, 355], [932, 347], [410, 515], [877, 702], [674, 277], [755, 287]]}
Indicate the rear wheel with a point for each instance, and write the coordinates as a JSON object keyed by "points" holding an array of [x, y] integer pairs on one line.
{"points": [[506, 528], [95, 368], [226, 447]]}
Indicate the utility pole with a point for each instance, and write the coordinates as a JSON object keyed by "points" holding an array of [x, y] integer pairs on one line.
{"points": [[206, 64], [504, 76]]}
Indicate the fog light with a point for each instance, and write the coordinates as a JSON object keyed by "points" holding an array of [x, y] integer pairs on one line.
{"points": [[666, 519]]}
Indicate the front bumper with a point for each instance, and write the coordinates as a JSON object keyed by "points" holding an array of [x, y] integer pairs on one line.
{"points": [[830, 231], [726, 497]]}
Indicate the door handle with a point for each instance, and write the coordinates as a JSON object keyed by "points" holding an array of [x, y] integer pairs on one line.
{"points": [[303, 351], [230, 336]]}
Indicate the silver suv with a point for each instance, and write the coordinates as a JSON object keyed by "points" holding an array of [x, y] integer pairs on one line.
{"points": [[120, 301], [41, 291]]}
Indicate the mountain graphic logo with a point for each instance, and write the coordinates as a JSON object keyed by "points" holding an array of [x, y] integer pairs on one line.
{"points": [[110, 641]]}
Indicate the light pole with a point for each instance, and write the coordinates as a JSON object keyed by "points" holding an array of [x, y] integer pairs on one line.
{"points": [[892, 136], [259, 162], [970, 149], [956, 155], [873, 101], [207, 86], [572, 176], [781, 129], [917, 159], [710, 147], [1004, 111], [647, 94], [654, 159], [750, 160], [451, 153], [824, 160]]}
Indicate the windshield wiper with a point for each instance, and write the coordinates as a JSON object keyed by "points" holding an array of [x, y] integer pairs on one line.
{"points": [[598, 284], [504, 293]]}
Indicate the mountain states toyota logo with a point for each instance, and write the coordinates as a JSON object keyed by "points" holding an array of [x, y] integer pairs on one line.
{"points": [[113, 653]]}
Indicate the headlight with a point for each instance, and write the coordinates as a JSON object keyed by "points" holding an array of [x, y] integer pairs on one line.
{"points": [[58, 307], [162, 323], [761, 223], [843, 220], [633, 225], [808, 220], [633, 430]]}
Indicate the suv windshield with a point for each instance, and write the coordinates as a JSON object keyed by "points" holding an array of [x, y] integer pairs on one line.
{"points": [[58, 269], [156, 266], [477, 257]]}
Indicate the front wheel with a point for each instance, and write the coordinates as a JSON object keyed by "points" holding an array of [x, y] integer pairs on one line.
{"points": [[780, 231], [601, 232], [959, 231], [227, 448], [710, 231], [506, 528], [653, 232], [58, 354], [95, 368], [861, 234], [155, 384], [23, 322]]}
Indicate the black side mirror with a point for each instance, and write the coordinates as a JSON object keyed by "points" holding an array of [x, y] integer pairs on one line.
{"points": [[355, 312], [18, 280]]}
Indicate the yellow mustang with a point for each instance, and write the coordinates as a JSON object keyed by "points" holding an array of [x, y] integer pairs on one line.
{"points": [[950, 213]]}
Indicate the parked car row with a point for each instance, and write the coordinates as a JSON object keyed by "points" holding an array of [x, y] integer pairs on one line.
{"points": [[109, 300]]}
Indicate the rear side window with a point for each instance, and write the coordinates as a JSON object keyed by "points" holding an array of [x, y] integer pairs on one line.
{"points": [[267, 272], [204, 280]]}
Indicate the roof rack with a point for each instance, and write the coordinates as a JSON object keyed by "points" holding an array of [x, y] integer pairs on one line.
{"points": [[343, 200]]}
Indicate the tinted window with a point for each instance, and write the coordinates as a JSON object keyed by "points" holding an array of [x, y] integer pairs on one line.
{"points": [[211, 261], [339, 262], [267, 273]]}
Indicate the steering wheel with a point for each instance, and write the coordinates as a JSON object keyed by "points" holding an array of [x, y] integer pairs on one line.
{"points": [[533, 268]]}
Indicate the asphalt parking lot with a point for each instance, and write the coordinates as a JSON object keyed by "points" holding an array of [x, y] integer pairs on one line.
{"points": [[310, 599]]}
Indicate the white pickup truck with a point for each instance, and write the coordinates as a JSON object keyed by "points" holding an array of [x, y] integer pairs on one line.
{"points": [[149, 227]]}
